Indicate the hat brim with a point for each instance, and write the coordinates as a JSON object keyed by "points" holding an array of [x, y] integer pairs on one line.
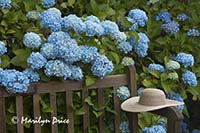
{"points": [[133, 105]]}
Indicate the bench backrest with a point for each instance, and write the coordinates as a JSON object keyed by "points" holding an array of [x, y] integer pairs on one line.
{"points": [[53, 87]]}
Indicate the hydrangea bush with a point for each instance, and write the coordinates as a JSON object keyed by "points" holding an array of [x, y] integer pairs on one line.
{"points": [[84, 40]]}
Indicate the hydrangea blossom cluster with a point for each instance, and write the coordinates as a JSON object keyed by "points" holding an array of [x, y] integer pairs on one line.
{"points": [[193, 32], [57, 68], [183, 126], [14, 81], [33, 15], [177, 97], [3, 48], [171, 27], [5, 4], [182, 17], [32, 75], [36, 60], [141, 46], [48, 3], [164, 16], [102, 66], [154, 129], [137, 17], [127, 61], [32, 40], [123, 93], [156, 67], [51, 18], [89, 54], [173, 76], [184, 59], [172, 65], [195, 131], [125, 47], [189, 78], [124, 127]]}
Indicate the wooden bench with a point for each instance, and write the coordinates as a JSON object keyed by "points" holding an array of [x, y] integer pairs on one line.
{"points": [[53, 87]]}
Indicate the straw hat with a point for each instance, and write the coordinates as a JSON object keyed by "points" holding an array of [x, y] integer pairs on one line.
{"points": [[150, 99]]}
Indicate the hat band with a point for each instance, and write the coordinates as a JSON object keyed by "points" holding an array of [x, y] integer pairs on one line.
{"points": [[152, 102]]}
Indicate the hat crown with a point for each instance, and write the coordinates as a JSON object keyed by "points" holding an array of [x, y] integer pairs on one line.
{"points": [[152, 97]]}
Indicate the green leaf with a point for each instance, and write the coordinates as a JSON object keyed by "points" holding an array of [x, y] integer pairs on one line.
{"points": [[97, 114], [115, 57], [166, 86], [88, 101], [21, 57], [80, 111], [11, 108], [5, 61], [48, 109], [89, 80], [71, 2], [94, 6], [111, 110], [155, 73]]}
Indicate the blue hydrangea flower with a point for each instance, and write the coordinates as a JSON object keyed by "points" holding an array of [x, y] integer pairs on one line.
{"points": [[3, 48], [51, 18], [184, 126], [73, 22], [93, 28], [171, 27], [48, 3], [36, 60], [125, 47], [89, 54], [177, 97], [184, 59], [47, 50], [14, 81], [69, 51], [57, 37], [57, 68], [102, 66], [32, 75], [141, 46], [189, 78], [110, 27], [124, 127], [139, 91], [123, 93], [173, 76], [172, 65], [33, 15], [120, 36], [127, 61], [193, 32], [182, 17], [5, 4], [156, 67], [76, 73], [154, 129], [93, 19], [32, 40], [163, 16], [196, 131], [137, 17]]}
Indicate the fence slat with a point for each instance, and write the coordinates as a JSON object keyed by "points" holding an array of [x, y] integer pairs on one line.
{"points": [[54, 127], [36, 111], [2, 115], [101, 101], [86, 120], [69, 109], [117, 109], [19, 112]]}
